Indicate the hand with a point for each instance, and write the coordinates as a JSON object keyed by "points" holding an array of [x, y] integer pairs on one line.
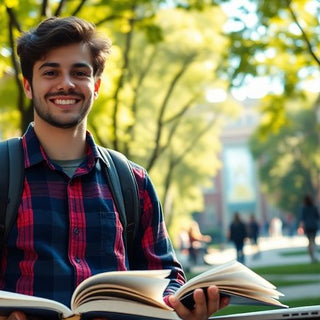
{"points": [[16, 315], [203, 309]]}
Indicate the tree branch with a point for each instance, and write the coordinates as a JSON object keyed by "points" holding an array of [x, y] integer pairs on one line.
{"points": [[13, 19], [109, 18], [59, 8], [163, 108], [136, 89], [44, 9], [174, 127], [124, 69], [193, 142], [183, 110], [175, 161], [11, 24], [304, 35], [78, 9]]}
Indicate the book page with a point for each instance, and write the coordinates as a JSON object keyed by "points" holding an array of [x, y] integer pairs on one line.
{"points": [[253, 299], [113, 291], [237, 286], [16, 301], [229, 272], [150, 283], [234, 278], [119, 309]]}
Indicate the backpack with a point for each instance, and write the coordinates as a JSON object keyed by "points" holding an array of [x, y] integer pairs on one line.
{"points": [[118, 173]]}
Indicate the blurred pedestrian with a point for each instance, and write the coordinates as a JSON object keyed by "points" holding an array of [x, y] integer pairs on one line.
{"points": [[275, 228], [253, 234], [183, 245], [198, 243], [309, 222], [238, 234], [291, 224]]}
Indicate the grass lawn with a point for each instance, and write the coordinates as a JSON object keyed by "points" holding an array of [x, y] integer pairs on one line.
{"points": [[276, 274], [296, 253], [303, 268], [283, 283]]}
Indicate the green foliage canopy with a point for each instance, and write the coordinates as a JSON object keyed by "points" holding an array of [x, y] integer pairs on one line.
{"points": [[152, 102]]}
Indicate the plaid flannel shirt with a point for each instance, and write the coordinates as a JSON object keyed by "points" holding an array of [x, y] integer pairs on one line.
{"points": [[68, 229]]}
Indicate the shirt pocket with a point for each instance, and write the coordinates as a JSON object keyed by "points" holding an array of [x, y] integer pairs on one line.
{"points": [[104, 234]]}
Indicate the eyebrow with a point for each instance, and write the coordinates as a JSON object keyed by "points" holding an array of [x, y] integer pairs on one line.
{"points": [[56, 65]]}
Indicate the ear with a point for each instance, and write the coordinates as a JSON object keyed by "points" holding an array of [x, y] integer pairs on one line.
{"points": [[27, 88], [96, 87]]}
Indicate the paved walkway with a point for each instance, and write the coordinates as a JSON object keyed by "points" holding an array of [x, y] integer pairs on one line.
{"points": [[270, 249], [270, 254]]}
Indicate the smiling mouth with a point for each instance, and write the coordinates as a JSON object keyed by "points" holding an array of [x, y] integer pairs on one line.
{"points": [[65, 101]]}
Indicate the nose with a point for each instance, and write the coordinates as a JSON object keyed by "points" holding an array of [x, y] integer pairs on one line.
{"points": [[65, 83]]}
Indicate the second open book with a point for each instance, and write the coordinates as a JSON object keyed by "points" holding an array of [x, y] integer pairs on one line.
{"points": [[139, 294]]}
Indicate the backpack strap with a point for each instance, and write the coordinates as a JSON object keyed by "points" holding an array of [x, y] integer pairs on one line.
{"points": [[124, 189], [11, 184]]}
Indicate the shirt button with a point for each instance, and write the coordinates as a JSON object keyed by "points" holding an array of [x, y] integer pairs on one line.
{"points": [[77, 260], [76, 230]]}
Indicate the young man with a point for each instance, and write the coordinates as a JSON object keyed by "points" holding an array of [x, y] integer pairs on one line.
{"points": [[68, 226]]}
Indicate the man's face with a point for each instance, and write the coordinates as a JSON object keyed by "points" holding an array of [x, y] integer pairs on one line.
{"points": [[63, 86]]}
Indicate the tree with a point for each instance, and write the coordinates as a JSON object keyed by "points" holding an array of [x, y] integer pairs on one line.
{"points": [[163, 119], [278, 40], [288, 161], [152, 104]]}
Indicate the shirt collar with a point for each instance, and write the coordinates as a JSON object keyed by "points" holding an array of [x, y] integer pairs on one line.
{"points": [[34, 152]]}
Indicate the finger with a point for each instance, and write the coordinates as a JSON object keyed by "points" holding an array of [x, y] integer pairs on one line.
{"points": [[178, 307], [213, 303], [201, 309]]}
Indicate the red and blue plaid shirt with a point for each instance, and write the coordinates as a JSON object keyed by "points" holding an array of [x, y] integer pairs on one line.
{"points": [[68, 229]]}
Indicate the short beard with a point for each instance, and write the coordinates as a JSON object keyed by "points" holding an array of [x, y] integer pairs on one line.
{"points": [[47, 117], [50, 120]]}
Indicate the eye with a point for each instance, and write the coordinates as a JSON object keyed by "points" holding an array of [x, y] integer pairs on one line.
{"points": [[81, 74], [49, 73]]}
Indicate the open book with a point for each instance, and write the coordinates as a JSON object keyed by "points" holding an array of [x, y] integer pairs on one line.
{"points": [[139, 294]]}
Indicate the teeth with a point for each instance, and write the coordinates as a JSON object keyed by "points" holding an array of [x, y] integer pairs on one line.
{"points": [[64, 101]]}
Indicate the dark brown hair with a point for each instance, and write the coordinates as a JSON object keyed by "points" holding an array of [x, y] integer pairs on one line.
{"points": [[56, 32]]}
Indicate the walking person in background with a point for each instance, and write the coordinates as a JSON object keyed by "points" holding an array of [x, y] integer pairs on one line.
{"points": [[253, 234], [237, 234], [197, 242], [309, 222], [275, 227]]}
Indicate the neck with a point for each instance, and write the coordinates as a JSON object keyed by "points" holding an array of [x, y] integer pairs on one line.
{"points": [[62, 144]]}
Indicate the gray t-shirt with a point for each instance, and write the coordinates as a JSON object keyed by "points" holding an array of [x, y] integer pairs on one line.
{"points": [[69, 166]]}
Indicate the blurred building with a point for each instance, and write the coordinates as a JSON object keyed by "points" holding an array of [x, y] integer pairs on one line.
{"points": [[236, 187]]}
